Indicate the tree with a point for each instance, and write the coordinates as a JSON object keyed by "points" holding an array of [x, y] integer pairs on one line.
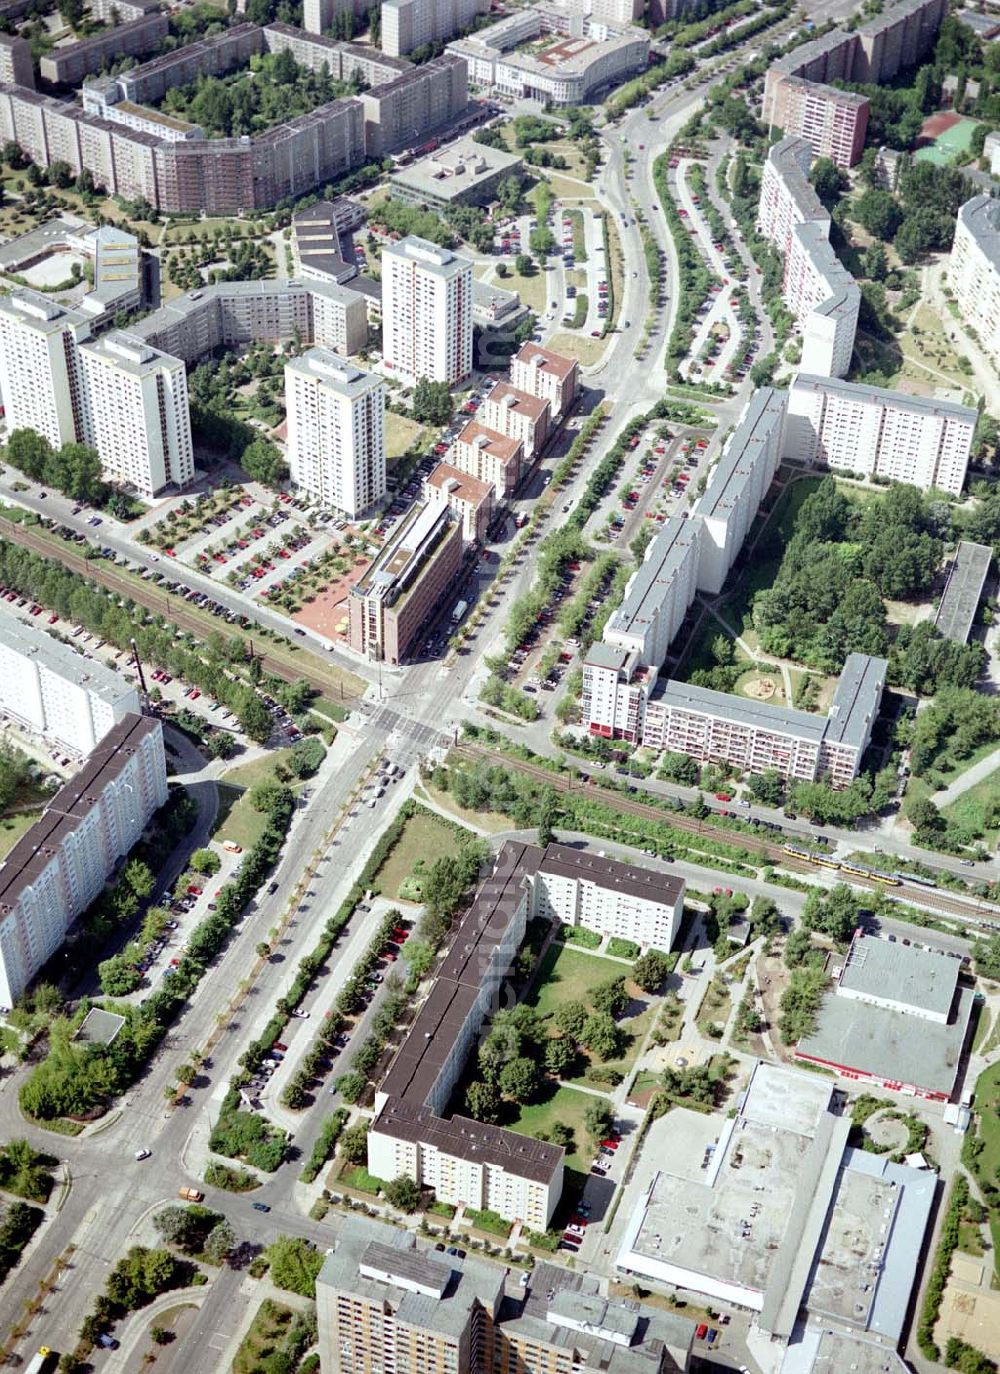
{"points": [[262, 461], [680, 768], [828, 180], [523, 265], [879, 213], [765, 919], [254, 717], [432, 403], [650, 971], [220, 1243], [403, 1192], [610, 997], [571, 1018], [118, 976], [353, 1143], [306, 756], [547, 809], [559, 1054], [518, 1080], [221, 745], [603, 1037], [986, 954], [482, 1101], [60, 174], [767, 788], [834, 913], [294, 1264], [351, 1085], [598, 1118], [29, 452], [924, 816], [800, 1003], [799, 948], [205, 861], [875, 262]]}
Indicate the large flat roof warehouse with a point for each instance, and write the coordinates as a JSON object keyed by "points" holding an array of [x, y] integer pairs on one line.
{"points": [[890, 1046], [960, 599], [770, 1210], [461, 170], [896, 975]]}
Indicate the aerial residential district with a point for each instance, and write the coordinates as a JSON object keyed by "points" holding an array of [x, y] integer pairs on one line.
{"points": [[499, 686]]}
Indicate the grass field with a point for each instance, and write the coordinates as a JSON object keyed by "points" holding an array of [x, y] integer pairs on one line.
{"points": [[582, 347], [401, 433], [979, 809], [490, 822], [425, 837], [987, 1103], [568, 975], [532, 289], [236, 819], [566, 1106], [259, 770], [268, 1328], [13, 827]]}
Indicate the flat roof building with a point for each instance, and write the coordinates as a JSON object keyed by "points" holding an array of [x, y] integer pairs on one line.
{"points": [[817, 288], [61, 864], [413, 571], [52, 689], [737, 485], [379, 1288], [974, 269], [769, 1209], [879, 433], [336, 431], [426, 312], [912, 1032], [548, 375], [658, 594], [967, 574], [317, 238], [462, 173]]}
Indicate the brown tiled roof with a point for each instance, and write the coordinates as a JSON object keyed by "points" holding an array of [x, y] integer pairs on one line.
{"points": [[556, 363]]}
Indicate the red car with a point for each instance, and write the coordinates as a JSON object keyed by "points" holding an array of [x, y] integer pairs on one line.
{"points": [[610, 1143], [723, 796], [194, 891], [701, 1332], [52, 619]]}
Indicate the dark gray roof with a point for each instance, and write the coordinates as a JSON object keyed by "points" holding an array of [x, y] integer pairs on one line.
{"points": [[70, 807], [651, 582], [409, 1266], [857, 699], [765, 412], [960, 598], [471, 1140], [609, 873]]}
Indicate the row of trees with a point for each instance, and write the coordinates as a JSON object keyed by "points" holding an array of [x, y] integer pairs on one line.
{"points": [[210, 668], [74, 469]]}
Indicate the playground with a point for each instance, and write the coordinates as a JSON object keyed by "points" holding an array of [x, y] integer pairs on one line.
{"points": [[944, 138]]}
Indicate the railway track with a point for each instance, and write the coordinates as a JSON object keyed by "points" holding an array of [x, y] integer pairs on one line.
{"points": [[971, 909], [169, 604]]}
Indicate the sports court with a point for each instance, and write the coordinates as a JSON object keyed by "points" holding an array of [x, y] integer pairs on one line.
{"points": [[944, 138]]}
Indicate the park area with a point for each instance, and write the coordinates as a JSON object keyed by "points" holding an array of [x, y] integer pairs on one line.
{"points": [[425, 838], [569, 975]]}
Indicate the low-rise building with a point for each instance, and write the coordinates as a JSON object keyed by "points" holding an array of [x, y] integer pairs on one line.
{"points": [[967, 574], [61, 864], [470, 499], [317, 234], [911, 1034], [879, 433], [770, 1209], [589, 55], [547, 375], [414, 570], [490, 457], [518, 415], [55, 691], [462, 173]]}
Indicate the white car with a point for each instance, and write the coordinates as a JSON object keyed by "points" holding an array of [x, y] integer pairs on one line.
{"points": [[142, 1153]]}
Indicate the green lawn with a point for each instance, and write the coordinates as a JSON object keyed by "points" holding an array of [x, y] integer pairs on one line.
{"points": [[401, 433], [13, 827], [425, 838], [259, 770], [567, 975], [565, 1106], [236, 819], [978, 807], [987, 1164], [267, 1330]]}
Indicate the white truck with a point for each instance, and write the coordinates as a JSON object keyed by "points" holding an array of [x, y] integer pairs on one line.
{"points": [[459, 610]]}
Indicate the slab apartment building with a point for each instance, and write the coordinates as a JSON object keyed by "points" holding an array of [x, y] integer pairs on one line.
{"points": [[61, 864], [483, 1166]]}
